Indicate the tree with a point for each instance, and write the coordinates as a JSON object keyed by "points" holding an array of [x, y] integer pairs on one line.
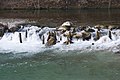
{"points": [[109, 5]]}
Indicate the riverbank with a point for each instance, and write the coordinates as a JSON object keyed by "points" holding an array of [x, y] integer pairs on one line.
{"points": [[59, 4]]}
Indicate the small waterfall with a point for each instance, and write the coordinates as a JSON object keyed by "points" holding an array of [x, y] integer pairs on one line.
{"points": [[28, 34], [33, 38]]}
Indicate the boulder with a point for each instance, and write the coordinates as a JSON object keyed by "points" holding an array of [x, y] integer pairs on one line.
{"points": [[66, 26], [3, 29], [13, 29], [51, 39]]}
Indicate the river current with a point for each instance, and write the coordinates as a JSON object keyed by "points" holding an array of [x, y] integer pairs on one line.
{"points": [[54, 64]]}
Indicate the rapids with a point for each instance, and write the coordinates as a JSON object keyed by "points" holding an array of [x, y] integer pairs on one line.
{"points": [[32, 41]]}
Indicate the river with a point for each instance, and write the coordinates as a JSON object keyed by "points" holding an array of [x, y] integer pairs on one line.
{"points": [[53, 64], [57, 17]]}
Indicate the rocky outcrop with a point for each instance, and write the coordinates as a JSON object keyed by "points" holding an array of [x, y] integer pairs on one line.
{"points": [[59, 4]]}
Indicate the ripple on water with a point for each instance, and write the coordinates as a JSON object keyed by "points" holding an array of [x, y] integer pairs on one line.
{"points": [[95, 65]]}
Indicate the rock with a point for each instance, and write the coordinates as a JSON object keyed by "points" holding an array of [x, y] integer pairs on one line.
{"points": [[77, 35], [97, 37], [66, 26], [3, 29], [51, 39], [118, 52], [68, 42], [90, 30], [13, 29], [99, 27], [86, 35]]}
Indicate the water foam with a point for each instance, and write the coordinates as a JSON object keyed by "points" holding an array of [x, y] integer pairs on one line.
{"points": [[10, 42]]}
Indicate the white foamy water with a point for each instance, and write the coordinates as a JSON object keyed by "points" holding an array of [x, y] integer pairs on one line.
{"points": [[12, 22], [32, 42]]}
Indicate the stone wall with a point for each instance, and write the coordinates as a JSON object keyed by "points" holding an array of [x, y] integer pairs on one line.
{"points": [[58, 4]]}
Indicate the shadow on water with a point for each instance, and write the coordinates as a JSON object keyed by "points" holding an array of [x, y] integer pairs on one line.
{"points": [[56, 17]]}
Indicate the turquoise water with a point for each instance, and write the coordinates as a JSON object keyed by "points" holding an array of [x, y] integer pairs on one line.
{"points": [[54, 65]]}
